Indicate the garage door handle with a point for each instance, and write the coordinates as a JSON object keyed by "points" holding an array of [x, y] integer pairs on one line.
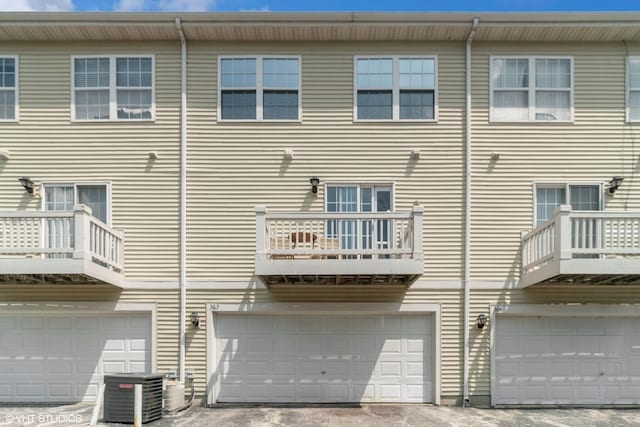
{"points": [[324, 372]]}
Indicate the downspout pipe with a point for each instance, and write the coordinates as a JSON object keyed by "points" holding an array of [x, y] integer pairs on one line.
{"points": [[183, 203], [467, 214]]}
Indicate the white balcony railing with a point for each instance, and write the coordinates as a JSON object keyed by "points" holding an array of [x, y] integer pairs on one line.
{"points": [[339, 243], [582, 235], [60, 235], [319, 235]]}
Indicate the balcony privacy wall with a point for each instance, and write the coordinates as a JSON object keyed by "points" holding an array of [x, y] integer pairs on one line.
{"points": [[48, 147]]}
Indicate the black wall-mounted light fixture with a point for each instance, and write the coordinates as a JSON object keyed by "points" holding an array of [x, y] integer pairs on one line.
{"points": [[195, 319], [315, 181], [614, 183], [481, 320], [26, 182]]}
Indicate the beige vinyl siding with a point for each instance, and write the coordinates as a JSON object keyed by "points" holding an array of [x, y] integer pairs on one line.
{"points": [[166, 327], [595, 147], [451, 317], [480, 353], [46, 146], [235, 166]]}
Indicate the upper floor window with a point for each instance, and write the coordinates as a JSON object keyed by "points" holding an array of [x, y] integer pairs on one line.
{"points": [[633, 87], [395, 88], [113, 88], [8, 88], [531, 89], [259, 88]]}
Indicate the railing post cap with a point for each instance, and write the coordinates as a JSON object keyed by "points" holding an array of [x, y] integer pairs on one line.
{"points": [[565, 208], [261, 208], [83, 208], [418, 208]]}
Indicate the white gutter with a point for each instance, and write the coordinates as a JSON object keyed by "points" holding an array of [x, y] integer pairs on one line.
{"points": [[467, 214], [183, 202]]}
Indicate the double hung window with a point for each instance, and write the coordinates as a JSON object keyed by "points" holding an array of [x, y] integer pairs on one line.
{"points": [[531, 89], [395, 88], [633, 89], [8, 88], [259, 88], [113, 88]]}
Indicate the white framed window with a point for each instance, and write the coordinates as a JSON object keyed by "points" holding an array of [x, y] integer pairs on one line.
{"points": [[363, 233], [633, 88], [62, 197], [8, 88], [582, 196], [261, 88], [395, 88], [531, 88], [113, 87]]}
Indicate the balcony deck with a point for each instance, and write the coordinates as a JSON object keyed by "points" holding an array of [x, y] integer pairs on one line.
{"points": [[583, 247], [59, 247], [339, 248]]}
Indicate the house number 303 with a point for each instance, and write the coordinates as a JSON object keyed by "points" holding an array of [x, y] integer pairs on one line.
{"points": [[215, 307]]}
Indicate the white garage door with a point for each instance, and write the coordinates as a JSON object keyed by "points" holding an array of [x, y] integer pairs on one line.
{"points": [[61, 358], [567, 360], [268, 358]]}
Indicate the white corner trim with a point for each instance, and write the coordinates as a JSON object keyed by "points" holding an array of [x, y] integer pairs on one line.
{"points": [[311, 309]]}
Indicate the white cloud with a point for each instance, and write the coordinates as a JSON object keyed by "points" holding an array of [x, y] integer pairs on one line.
{"points": [[36, 5], [259, 9], [186, 5], [165, 5], [129, 6]]}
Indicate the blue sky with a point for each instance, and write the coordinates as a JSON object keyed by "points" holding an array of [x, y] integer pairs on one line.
{"points": [[325, 5]]}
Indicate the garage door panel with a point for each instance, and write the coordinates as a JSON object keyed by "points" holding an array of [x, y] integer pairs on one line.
{"points": [[60, 358], [579, 361], [324, 362]]}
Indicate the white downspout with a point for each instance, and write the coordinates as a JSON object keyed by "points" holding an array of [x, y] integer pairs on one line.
{"points": [[183, 202], [467, 214]]}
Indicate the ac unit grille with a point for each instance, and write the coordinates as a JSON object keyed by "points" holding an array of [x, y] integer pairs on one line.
{"points": [[119, 396]]}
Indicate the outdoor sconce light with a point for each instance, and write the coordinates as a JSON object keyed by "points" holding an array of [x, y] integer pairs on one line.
{"points": [[614, 183], [195, 319], [26, 182], [481, 320], [314, 184]]}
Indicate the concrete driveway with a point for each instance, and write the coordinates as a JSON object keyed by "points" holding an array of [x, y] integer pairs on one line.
{"points": [[343, 416]]}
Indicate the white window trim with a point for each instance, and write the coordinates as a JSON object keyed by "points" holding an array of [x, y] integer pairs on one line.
{"points": [[75, 186], [395, 90], [628, 88], [16, 89], [532, 88], [113, 89], [358, 186], [565, 185], [259, 88]]}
